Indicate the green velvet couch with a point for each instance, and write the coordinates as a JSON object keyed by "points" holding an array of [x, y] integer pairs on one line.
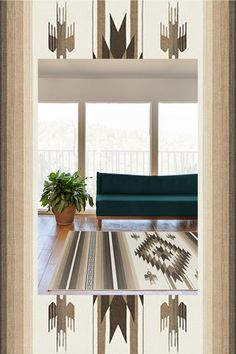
{"points": [[143, 197]]}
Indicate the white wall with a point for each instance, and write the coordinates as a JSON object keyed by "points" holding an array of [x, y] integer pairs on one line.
{"points": [[118, 90], [150, 90]]}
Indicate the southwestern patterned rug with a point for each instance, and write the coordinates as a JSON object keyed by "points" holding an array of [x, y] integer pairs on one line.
{"points": [[128, 260]]}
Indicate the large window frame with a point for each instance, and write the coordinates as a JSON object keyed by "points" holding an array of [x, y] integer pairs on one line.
{"points": [[153, 124], [82, 136]]}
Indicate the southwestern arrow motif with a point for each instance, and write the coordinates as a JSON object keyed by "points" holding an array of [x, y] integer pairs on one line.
{"points": [[173, 315], [135, 236], [173, 37], [119, 47], [151, 277], [116, 308], [61, 316], [61, 38]]}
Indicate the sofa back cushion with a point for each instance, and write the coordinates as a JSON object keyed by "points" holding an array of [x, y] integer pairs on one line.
{"points": [[112, 183]]}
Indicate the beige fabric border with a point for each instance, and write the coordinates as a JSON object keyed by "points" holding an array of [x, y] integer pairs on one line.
{"points": [[16, 178], [219, 177]]}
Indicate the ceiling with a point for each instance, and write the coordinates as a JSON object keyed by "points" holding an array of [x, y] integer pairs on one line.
{"points": [[117, 68]]}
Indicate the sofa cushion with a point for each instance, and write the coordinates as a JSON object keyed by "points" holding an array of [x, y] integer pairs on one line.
{"points": [[146, 205], [111, 183]]}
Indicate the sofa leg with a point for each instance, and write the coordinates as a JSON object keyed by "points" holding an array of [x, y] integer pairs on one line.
{"points": [[99, 223]]}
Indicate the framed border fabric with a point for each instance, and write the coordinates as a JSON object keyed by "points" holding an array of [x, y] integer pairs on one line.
{"points": [[16, 211], [219, 177], [217, 183]]}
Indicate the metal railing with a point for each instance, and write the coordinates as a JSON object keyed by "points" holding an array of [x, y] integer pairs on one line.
{"points": [[177, 162], [132, 162]]}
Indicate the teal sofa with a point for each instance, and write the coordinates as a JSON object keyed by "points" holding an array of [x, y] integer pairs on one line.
{"points": [[143, 197]]}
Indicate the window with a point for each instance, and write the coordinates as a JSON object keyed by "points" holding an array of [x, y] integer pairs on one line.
{"points": [[177, 138], [117, 139], [57, 139]]}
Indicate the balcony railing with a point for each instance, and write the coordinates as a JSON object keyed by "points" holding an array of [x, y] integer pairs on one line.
{"points": [[177, 162], [133, 162]]}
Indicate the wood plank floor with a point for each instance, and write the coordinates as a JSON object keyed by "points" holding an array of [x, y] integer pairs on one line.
{"points": [[51, 237]]}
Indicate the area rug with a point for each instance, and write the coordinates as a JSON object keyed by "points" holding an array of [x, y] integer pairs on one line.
{"points": [[127, 260]]}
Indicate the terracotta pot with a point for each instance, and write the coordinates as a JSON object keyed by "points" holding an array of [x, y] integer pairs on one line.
{"points": [[66, 217]]}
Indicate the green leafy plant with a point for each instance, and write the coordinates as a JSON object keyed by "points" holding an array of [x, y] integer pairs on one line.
{"points": [[64, 189]]}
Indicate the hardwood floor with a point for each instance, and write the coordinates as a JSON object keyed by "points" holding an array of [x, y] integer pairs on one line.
{"points": [[51, 237]]}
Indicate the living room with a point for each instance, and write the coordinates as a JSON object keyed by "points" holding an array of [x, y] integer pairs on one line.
{"points": [[124, 118]]}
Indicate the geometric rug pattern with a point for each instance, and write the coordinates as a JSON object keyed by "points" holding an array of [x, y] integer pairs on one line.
{"points": [[127, 261], [165, 256]]}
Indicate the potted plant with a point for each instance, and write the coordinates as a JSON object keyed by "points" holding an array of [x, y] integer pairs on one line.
{"points": [[64, 193]]}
